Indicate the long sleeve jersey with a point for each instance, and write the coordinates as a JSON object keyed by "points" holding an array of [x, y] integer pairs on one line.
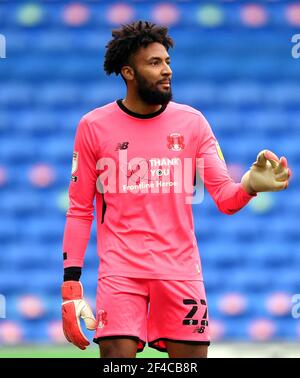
{"points": [[140, 170]]}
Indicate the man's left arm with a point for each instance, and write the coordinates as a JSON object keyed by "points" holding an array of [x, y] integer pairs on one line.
{"points": [[268, 173]]}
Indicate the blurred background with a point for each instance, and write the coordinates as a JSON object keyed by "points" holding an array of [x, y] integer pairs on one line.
{"points": [[232, 61]]}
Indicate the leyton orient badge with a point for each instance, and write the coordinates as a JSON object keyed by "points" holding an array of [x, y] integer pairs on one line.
{"points": [[175, 142]]}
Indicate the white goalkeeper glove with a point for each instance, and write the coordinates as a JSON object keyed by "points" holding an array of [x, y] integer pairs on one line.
{"points": [[267, 174], [75, 307]]}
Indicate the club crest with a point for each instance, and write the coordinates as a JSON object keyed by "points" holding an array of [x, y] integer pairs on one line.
{"points": [[102, 319], [175, 142]]}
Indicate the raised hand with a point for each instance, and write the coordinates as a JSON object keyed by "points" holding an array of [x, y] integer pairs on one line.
{"points": [[267, 174]]}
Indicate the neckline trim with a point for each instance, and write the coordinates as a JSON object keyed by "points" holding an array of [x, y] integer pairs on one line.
{"points": [[137, 115]]}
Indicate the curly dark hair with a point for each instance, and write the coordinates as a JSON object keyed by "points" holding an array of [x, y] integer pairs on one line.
{"points": [[128, 39]]}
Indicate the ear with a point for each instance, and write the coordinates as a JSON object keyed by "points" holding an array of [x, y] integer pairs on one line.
{"points": [[127, 73]]}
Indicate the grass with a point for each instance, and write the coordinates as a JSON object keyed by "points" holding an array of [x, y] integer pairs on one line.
{"points": [[42, 351]]}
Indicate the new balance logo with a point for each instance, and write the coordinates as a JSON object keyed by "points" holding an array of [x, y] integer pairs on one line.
{"points": [[122, 146]]}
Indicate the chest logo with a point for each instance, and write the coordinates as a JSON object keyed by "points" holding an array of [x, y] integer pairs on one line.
{"points": [[122, 146], [175, 142]]}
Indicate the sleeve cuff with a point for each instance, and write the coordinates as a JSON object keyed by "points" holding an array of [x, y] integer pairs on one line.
{"points": [[72, 273], [246, 194]]}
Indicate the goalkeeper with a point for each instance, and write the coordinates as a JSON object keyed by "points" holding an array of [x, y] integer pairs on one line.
{"points": [[150, 286]]}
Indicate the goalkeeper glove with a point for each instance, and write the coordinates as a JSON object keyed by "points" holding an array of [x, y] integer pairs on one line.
{"points": [[75, 307], [267, 174]]}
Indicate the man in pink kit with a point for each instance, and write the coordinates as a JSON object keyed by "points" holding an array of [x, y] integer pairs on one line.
{"points": [[138, 157]]}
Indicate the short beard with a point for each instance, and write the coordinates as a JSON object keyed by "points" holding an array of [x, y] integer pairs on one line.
{"points": [[151, 95]]}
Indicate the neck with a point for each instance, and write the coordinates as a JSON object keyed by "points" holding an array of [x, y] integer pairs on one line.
{"points": [[138, 106]]}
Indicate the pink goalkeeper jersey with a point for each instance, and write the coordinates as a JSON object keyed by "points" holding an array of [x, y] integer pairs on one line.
{"points": [[141, 169]]}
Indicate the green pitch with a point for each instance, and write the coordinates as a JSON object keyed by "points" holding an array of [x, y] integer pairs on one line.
{"points": [[41, 351]]}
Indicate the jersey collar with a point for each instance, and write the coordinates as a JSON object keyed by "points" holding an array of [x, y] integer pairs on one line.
{"points": [[137, 115]]}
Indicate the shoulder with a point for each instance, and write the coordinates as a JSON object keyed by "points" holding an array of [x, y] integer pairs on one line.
{"points": [[187, 110], [190, 114], [99, 114]]}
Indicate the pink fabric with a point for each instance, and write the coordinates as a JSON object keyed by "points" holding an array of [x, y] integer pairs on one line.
{"points": [[149, 234], [228, 195], [178, 310]]}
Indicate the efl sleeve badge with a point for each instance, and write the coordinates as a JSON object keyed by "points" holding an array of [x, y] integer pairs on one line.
{"points": [[75, 162], [220, 153]]}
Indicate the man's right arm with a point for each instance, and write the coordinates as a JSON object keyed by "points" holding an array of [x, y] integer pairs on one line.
{"points": [[76, 236], [81, 202]]}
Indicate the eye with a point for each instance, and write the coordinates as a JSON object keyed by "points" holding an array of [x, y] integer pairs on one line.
{"points": [[154, 63]]}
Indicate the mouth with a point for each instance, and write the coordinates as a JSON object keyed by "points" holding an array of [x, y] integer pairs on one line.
{"points": [[165, 84]]}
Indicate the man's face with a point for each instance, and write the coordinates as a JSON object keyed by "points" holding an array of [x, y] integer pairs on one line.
{"points": [[152, 74]]}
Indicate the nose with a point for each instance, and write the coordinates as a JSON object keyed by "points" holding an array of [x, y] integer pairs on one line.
{"points": [[167, 70]]}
